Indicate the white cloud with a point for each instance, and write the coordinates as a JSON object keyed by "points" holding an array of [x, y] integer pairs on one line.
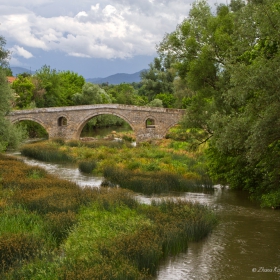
{"points": [[109, 10], [107, 29], [82, 14], [95, 7], [20, 51]]}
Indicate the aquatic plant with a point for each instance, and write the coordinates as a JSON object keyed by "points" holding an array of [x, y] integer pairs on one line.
{"points": [[58, 224], [52, 229], [148, 183], [87, 166], [45, 153], [18, 247]]}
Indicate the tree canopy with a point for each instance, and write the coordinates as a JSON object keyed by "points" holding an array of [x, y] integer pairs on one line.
{"points": [[10, 136], [227, 67]]}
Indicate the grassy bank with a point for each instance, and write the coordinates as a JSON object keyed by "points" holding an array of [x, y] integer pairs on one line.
{"points": [[52, 229], [148, 168]]}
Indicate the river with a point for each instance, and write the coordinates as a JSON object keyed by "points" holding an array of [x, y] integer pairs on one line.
{"points": [[244, 245]]}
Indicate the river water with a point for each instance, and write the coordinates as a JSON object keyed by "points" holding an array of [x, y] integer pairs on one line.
{"points": [[244, 245]]}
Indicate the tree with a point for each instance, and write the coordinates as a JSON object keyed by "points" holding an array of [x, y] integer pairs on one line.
{"points": [[199, 49], [155, 103], [10, 135], [125, 94], [252, 156], [158, 78], [4, 54], [168, 99], [24, 88], [55, 88], [48, 80], [70, 83], [91, 94], [228, 81], [8, 71]]}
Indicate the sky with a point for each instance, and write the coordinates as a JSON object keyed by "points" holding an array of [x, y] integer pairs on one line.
{"points": [[93, 38]]}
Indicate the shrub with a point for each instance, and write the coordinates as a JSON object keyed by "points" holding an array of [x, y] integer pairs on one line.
{"points": [[18, 247], [148, 183], [74, 143], [59, 224], [87, 166], [59, 141], [54, 199], [45, 153]]}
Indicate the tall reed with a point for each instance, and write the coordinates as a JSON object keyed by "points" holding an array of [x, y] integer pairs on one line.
{"points": [[149, 183], [44, 152], [52, 229]]}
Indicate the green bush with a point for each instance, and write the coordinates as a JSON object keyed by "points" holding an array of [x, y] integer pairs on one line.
{"points": [[146, 182], [59, 224], [45, 153], [87, 166], [18, 247], [53, 229]]}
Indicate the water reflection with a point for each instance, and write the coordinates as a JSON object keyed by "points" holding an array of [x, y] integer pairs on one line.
{"points": [[246, 238]]}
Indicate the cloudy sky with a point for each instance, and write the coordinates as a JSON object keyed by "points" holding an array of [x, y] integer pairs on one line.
{"points": [[91, 37]]}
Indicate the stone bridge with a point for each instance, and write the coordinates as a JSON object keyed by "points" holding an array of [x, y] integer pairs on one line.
{"points": [[68, 122]]}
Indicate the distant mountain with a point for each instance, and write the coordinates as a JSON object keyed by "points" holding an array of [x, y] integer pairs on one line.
{"points": [[112, 80], [117, 78], [19, 70]]}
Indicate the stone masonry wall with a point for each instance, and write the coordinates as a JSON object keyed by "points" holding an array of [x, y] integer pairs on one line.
{"points": [[77, 116]]}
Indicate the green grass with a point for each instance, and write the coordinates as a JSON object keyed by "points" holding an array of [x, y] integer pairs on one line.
{"points": [[52, 229], [148, 161], [149, 183], [48, 153], [87, 166]]}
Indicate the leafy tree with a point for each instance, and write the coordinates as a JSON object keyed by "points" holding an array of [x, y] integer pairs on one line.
{"points": [[168, 100], [48, 80], [23, 87], [253, 99], [228, 81], [71, 83], [55, 88], [8, 71], [199, 49], [91, 94], [155, 103], [125, 94], [158, 78], [4, 54], [10, 136]]}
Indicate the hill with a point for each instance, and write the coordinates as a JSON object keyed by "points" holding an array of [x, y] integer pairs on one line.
{"points": [[117, 79], [19, 70], [113, 79]]}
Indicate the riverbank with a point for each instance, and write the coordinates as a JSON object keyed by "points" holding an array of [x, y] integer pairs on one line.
{"points": [[53, 229], [148, 168]]}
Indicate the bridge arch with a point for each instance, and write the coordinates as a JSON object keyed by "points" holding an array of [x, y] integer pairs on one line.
{"points": [[87, 118], [33, 131], [19, 119], [169, 127]]}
